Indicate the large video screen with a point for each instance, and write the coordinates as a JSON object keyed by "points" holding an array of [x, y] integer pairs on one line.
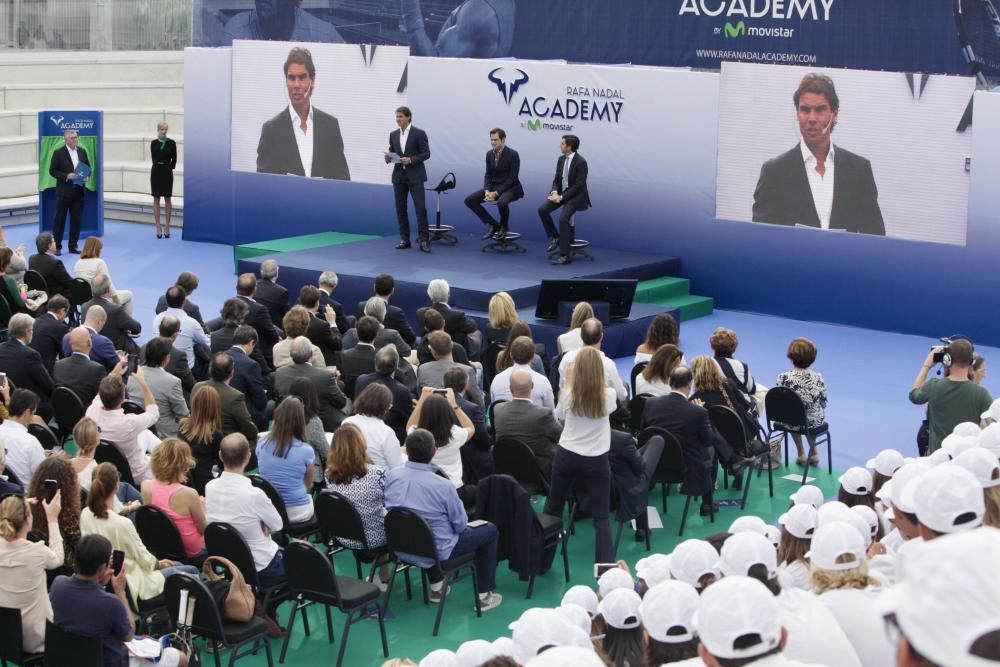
{"points": [[880, 153], [351, 93]]}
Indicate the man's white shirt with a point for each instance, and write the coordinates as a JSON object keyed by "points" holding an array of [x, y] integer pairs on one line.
{"points": [[821, 186], [304, 139]]}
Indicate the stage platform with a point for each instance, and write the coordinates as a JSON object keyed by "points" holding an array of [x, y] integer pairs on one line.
{"points": [[474, 277]]}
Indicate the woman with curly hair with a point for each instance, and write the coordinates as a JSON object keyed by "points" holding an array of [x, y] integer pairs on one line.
{"points": [[811, 388], [662, 331], [171, 461], [59, 469]]}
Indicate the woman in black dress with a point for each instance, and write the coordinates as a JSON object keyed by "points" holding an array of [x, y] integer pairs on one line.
{"points": [[161, 178], [201, 430]]}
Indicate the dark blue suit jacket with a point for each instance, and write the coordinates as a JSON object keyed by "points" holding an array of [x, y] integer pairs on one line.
{"points": [[103, 350], [418, 149], [248, 380]]}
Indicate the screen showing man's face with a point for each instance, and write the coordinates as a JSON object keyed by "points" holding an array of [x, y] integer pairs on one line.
{"points": [[496, 142], [299, 83], [816, 118], [271, 8]]}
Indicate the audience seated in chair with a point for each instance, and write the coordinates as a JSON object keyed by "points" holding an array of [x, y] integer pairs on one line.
{"points": [[522, 353], [433, 321], [49, 329], [323, 333], [371, 407], [170, 328], [202, 430], [24, 452], [395, 318], [809, 385], [327, 283], [360, 359], [592, 334], [571, 340], [476, 458], [49, 266], [376, 307], [655, 377], [60, 469], [78, 372], [296, 325], [437, 414], [189, 282], [171, 462], [191, 335], [126, 431], [286, 460], [661, 331], [270, 294], [166, 388], [432, 373], [24, 365], [332, 400], [458, 325], [523, 419], [387, 373], [119, 326], [247, 378]]}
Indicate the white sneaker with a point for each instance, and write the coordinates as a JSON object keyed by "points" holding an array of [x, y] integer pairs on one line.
{"points": [[435, 597], [381, 585], [491, 601]]}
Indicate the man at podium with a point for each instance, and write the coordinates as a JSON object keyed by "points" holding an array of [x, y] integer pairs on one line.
{"points": [[70, 176]]}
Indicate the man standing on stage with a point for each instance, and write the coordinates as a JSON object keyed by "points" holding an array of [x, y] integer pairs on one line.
{"points": [[500, 185], [408, 176], [569, 191], [69, 190]]}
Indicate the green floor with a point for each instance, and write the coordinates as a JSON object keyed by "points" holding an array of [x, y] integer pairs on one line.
{"points": [[410, 625]]}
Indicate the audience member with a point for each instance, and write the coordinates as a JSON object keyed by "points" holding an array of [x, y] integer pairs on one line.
{"points": [[667, 613], [127, 432], [539, 362], [170, 328], [270, 294], [18, 263], [623, 640], [86, 438], [296, 325], [119, 326], [171, 462], [323, 333], [24, 452], [522, 352], [661, 331], [233, 313], [521, 418], [654, 379], [502, 313], [258, 316], [190, 335], [360, 359], [233, 499], [856, 487], [477, 459], [166, 389], [350, 473], [78, 372], [592, 334], [811, 389], [287, 461], [304, 390], [432, 373], [376, 307], [90, 265], [59, 470], [371, 407], [416, 486], [724, 343], [451, 428], [395, 318], [386, 371], [189, 283], [798, 525], [23, 364], [8, 487], [235, 417], [332, 400], [23, 565], [247, 378], [711, 387], [47, 263], [11, 287], [985, 468], [102, 350], [571, 340], [327, 283], [459, 326], [434, 321], [632, 470], [49, 329], [202, 430], [947, 499]]}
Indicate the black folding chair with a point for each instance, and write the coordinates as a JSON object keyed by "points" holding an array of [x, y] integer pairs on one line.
{"points": [[671, 469], [729, 425], [786, 414], [407, 533], [5, 315], [513, 457], [221, 539], [207, 621], [490, 363], [11, 646], [636, 406], [68, 409], [45, 436], [491, 425], [79, 294], [312, 580], [160, 535], [289, 530], [34, 280], [65, 648], [636, 370], [108, 452], [339, 520]]}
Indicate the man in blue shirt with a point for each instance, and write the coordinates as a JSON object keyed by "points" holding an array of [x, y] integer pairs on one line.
{"points": [[417, 486]]}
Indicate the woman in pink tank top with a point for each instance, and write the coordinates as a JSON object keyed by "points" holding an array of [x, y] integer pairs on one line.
{"points": [[170, 462]]}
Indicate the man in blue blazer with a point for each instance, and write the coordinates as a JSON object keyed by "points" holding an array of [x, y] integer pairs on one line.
{"points": [[409, 176], [500, 184], [247, 377], [569, 192]]}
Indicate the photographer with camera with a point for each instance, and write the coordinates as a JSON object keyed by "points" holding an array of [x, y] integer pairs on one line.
{"points": [[953, 399]]}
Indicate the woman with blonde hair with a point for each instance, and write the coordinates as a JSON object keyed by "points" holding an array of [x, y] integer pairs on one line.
{"points": [[584, 407], [86, 437], [163, 151], [90, 265], [655, 377], [202, 431], [23, 565], [711, 387], [171, 461], [502, 315], [571, 340], [58, 468]]}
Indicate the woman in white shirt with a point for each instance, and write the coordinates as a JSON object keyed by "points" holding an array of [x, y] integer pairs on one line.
{"points": [[571, 340], [584, 407], [370, 408], [655, 377], [90, 265], [436, 411]]}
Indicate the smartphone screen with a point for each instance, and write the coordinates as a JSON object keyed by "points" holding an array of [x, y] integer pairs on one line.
{"points": [[117, 560], [51, 487], [601, 568], [3, 378], [133, 363]]}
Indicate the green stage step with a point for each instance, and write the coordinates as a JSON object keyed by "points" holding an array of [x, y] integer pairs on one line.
{"points": [[671, 292], [293, 243]]}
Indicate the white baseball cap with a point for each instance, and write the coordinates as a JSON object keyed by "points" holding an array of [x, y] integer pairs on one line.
{"points": [[989, 437], [983, 465], [949, 597], [902, 479], [613, 579], [993, 412], [667, 612], [583, 596], [966, 428], [748, 523], [800, 521], [744, 550], [620, 609], [948, 499], [832, 511], [773, 533], [869, 516], [886, 462], [837, 545], [567, 655], [474, 653], [808, 494], [503, 646], [439, 658], [885, 493], [653, 569], [938, 456], [955, 444], [856, 480], [576, 615], [538, 629], [692, 559], [734, 608]]}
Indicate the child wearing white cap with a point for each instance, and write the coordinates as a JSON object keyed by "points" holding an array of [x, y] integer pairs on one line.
{"points": [[808, 494], [985, 467], [667, 613], [695, 562], [883, 467], [798, 526], [538, 630], [840, 578], [856, 488], [623, 643], [947, 499]]}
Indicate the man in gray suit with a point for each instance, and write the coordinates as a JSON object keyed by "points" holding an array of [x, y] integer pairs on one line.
{"points": [[432, 373], [166, 388], [375, 307], [78, 371], [331, 398], [522, 420]]}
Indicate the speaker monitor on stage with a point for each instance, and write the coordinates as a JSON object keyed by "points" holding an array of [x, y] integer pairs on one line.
{"points": [[611, 298]]}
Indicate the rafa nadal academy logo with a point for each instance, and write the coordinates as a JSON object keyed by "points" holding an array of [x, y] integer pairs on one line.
{"points": [[506, 82]]}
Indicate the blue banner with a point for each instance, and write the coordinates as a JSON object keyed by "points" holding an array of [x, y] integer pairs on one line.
{"points": [[910, 36], [89, 126]]}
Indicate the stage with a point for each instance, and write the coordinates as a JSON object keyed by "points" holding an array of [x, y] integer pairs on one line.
{"points": [[474, 276]]}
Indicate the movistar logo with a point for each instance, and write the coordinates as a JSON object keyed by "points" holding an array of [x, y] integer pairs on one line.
{"points": [[506, 82], [535, 124], [737, 30]]}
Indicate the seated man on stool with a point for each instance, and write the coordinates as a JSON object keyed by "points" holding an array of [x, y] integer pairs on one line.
{"points": [[569, 191], [500, 185]]}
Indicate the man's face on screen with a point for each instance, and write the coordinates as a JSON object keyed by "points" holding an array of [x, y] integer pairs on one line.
{"points": [[816, 118], [299, 83], [269, 9]]}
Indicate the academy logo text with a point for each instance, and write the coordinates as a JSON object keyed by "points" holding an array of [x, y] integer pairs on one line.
{"points": [[556, 109]]}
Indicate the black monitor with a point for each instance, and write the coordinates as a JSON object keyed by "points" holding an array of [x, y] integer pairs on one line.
{"points": [[617, 292]]}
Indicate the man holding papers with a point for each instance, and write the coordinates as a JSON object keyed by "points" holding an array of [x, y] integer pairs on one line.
{"points": [[70, 166]]}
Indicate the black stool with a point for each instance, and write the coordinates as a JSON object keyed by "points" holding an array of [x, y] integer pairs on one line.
{"points": [[578, 248], [508, 242], [441, 232]]}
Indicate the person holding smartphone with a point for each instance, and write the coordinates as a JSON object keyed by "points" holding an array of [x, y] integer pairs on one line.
{"points": [[55, 476]]}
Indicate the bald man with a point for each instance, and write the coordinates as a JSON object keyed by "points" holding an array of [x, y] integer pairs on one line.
{"points": [[78, 371], [522, 420], [102, 349]]}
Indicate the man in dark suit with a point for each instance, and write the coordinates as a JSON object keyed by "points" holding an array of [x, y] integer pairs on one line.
{"points": [[235, 417], [119, 327], [49, 329], [700, 442], [433, 321], [375, 307], [69, 189], [386, 373], [632, 469], [102, 349], [257, 316], [569, 191], [170, 328], [273, 296], [331, 398], [395, 318], [234, 311], [77, 371], [818, 183], [500, 184], [532, 424], [327, 283], [458, 325], [409, 175], [189, 281], [247, 378], [49, 266], [322, 332], [302, 140], [23, 365], [360, 359]]}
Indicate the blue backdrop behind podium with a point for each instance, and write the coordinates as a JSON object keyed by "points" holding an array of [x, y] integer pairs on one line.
{"points": [[89, 125]]}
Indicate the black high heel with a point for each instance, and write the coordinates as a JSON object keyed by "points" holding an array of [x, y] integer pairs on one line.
{"points": [[159, 236]]}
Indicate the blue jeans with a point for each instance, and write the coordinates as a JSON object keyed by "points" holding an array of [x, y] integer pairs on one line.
{"points": [[276, 568], [483, 542], [186, 569]]}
